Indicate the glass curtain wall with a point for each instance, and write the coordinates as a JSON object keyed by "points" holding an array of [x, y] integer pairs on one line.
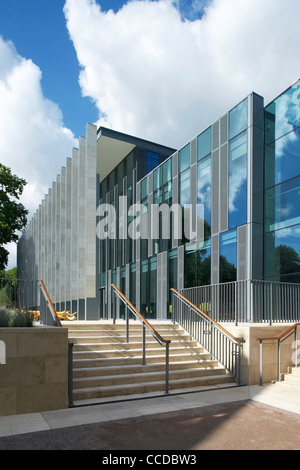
{"points": [[237, 190], [162, 194], [282, 187], [184, 183], [237, 177]]}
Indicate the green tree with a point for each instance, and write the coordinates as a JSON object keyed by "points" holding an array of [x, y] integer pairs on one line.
{"points": [[13, 215]]}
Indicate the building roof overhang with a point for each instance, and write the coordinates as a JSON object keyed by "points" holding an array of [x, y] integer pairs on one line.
{"points": [[114, 146]]}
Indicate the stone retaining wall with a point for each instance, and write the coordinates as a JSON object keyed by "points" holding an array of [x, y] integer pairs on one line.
{"points": [[33, 369]]}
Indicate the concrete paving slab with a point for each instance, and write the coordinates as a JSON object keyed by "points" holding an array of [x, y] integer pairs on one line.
{"points": [[253, 417]]}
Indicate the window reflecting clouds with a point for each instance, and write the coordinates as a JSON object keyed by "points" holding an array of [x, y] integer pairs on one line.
{"points": [[237, 187], [283, 114], [238, 119]]}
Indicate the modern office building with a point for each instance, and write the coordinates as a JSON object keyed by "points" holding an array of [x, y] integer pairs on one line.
{"points": [[243, 169]]}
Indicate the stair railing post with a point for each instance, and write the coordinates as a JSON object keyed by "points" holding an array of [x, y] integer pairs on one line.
{"points": [[127, 324], [296, 359], [70, 374], [278, 360], [167, 367], [144, 344], [260, 362]]}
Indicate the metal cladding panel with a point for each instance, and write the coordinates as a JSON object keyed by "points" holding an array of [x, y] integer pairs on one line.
{"points": [[180, 272], [150, 182], [215, 192], [175, 201], [215, 135], [162, 284], [224, 129], [242, 265], [159, 284], [150, 242], [175, 164], [258, 111], [193, 151], [193, 188], [127, 286], [138, 285], [215, 258], [224, 188]]}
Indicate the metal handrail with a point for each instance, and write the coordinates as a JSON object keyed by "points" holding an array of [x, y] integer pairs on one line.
{"points": [[280, 339], [223, 346], [146, 325], [50, 304]]}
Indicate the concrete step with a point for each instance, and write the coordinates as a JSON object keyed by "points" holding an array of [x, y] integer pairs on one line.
{"points": [[105, 365], [132, 352], [146, 387], [82, 337], [120, 345], [99, 361], [145, 376], [139, 368]]}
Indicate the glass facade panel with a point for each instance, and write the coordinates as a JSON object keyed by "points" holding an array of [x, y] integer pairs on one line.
{"points": [[132, 284], [152, 160], [172, 279], [148, 287], [197, 265], [144, 188], [238, 119], [184, 195], [283, 114], [282, 159], [157, 178], [282, 255], [167, 171], [184, 158], [204, 143], [282, 205], [237, 182], [228, 256], [204, 192]]}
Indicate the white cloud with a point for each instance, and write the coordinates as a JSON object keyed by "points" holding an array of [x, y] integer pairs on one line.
{"points": [[34, 142], [153, 74]]}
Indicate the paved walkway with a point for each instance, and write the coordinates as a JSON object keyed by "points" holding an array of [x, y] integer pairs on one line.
{"points": [[248, 417]]}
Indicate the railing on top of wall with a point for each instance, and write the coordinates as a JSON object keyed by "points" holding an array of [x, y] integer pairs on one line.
{"points": [[248, 301]]}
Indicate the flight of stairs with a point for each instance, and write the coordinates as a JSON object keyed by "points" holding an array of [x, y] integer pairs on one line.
{"points": [[105, 365], [292, 376]]}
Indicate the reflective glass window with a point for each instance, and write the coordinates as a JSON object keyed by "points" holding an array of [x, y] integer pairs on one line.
{"points": [[144, 188], [157, 178], [238, 119], [184, 158], [282, 159], [282, 255], [283, 114], [197, 265], [237, 184], [167, 171], [172, 279], [204, 190], [204, 143], [228, 256], [132, 284], [185, 188], [152, 160], [282, 207]]}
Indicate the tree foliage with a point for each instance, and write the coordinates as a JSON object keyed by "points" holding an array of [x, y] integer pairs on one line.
{"points": [[13, 215]]}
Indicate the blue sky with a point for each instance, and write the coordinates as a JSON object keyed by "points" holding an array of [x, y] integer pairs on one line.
{"points": [[161, 70], [38, 30]]}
